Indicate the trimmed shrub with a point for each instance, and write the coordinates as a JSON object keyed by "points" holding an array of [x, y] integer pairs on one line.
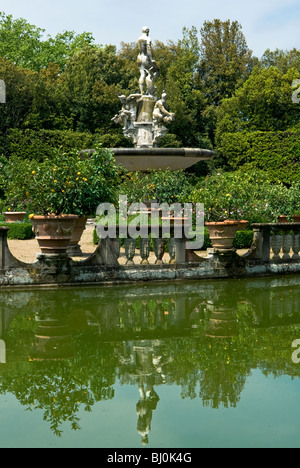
{"points": [[19, 231], [243, 240], [95, 237], [276, 153], [39, 144]]}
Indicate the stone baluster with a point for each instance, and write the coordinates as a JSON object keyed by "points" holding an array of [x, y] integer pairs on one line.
{"points": [[145, 250], [159, 246], [108, 252], [286, 246], [130, 250], [172, 250], [276, 244], [3, 247], [178, 252], [262, 242], [7, 260], [296, 246]]}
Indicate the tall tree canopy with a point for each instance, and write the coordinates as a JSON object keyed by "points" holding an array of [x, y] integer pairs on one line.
{"points": [[25, 45], [226, 61]]}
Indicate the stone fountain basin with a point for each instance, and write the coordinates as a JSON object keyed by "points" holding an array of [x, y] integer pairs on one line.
{"points": [[143, 159]]}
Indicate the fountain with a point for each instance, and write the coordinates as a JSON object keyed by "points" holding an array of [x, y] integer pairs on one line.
{"points": [[144, 117]]}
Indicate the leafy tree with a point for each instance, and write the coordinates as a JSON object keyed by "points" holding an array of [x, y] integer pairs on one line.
{"points": [[64, 45], [226, 60], [24, 44], [20, 91], [91, 82], [282, 59], [20, 42], [263, 103], [185, 97], [163, 186]]}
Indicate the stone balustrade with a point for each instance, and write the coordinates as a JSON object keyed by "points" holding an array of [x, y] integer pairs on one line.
{"points": [[278, 243], [275, 250], [167, 240]]}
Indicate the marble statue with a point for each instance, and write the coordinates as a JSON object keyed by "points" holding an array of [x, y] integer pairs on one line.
{"points": [[149, 70], [128, 114], [160, 113], [161, 117]]}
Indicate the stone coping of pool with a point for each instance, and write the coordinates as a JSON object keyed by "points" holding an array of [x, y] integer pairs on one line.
{"points": [[64, 272], [143, 159]]}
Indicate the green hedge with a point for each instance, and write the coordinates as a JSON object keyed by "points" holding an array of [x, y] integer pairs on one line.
{"points": [[19, 231], [243, 240], [277, 153], [38, 144]]}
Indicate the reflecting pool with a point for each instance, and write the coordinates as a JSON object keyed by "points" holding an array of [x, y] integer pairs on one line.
{"points": [[179, 365]]}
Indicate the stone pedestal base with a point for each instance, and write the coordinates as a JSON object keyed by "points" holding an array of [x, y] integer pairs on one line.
{"points": [[144, 135]]}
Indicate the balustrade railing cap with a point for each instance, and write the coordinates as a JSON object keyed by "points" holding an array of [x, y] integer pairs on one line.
{"points": [[279, 226]]}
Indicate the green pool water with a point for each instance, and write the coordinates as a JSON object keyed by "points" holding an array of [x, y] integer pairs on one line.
{"points": [[179, 365]]}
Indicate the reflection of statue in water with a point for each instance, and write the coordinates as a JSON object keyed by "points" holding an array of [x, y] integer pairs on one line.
{"points": [[143, 363], [150, 361], [144, 408], [148, 66]]}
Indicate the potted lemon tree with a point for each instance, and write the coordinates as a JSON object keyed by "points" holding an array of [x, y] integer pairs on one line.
{"points": [[225, 206], [12, 191], [63, 191]]}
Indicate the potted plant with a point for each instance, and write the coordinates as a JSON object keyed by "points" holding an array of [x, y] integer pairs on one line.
{"points": [[289, 219], [13, 215], [224, 208], [289, 205], [65, 189], [12, 190]]}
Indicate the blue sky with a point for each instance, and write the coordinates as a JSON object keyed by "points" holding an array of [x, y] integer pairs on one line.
{"points": [[266, 23]]}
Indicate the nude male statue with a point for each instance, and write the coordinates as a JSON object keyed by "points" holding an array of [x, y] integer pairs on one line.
{"points": [[148, 66]]}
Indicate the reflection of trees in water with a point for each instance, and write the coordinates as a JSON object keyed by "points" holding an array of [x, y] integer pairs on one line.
{"points": [[207, 345], [51, 380]]}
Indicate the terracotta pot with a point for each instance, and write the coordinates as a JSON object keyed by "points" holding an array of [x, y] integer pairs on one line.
{"points": [[53, 340], [54, 233], [222, 234], [283, 219], [14, 216], [74, 247]]}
